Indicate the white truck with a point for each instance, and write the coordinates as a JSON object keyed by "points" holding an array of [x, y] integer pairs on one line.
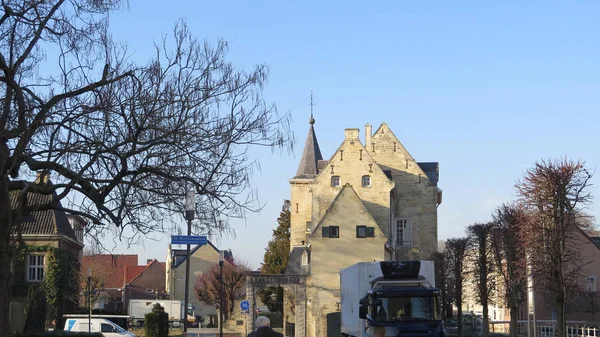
{"points": [[390, 298], [139, 308]]}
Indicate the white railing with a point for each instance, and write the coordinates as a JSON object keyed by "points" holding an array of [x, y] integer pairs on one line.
{"points": [[572, 331], [544, 328]]}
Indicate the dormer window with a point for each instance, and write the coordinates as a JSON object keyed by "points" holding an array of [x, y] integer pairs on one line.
{"points": [[335, 181], [305, 258], [366, 181]]}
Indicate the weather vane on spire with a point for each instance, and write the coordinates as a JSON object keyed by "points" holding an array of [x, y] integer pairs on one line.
{"points": [[311, 121]]}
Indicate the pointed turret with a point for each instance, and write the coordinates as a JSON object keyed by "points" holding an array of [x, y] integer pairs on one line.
{"points": [[311, 153]]}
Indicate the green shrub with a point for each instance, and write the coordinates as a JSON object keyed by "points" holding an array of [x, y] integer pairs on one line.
{"points": [[156, 323]]}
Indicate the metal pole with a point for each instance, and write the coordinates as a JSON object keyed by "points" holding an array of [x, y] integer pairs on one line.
{"points": [[221, 298], [187, 282], [89, 300], [190, 206]]}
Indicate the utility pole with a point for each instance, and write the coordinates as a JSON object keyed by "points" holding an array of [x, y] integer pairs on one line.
{"points": [[190, 206]]}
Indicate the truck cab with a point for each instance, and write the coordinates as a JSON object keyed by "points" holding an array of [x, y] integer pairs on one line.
{"points": [[399, 301]]}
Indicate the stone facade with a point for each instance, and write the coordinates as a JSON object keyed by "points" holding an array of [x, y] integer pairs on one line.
{"points": [[348, 209]]}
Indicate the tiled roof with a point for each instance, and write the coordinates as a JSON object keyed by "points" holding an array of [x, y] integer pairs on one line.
{"points": [[113, 266], [132, 271], [43, 222], [141, 269], [310, 155]]}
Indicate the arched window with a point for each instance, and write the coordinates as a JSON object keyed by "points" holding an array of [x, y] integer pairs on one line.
{"points": [[366, 181], [335, 181]]}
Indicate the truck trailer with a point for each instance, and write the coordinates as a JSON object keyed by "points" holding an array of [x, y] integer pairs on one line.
{"points": [[390, 298], [139, 308]]}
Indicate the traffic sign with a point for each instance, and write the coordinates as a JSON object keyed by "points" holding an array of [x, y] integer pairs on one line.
{"points": [[245, 305], [188, 240]]}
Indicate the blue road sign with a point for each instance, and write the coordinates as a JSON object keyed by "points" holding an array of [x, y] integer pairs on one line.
{"points": [[245, 305], [188, 240]]}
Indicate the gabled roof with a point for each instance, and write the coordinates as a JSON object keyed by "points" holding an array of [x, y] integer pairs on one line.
{"points": [[294, 265], [311, 154], [180, 255], [144, 268], [45, 222], [347, 188]]}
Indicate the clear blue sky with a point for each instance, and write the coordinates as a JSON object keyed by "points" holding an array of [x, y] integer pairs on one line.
{"points": [[485, 88]]}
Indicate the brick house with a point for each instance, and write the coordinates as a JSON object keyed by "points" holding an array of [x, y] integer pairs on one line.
{"points": [[119, 278], [367, 202], [584, 305], [145, 282]]}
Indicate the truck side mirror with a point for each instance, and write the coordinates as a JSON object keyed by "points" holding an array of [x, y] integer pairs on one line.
{"points": [[362, 312]]}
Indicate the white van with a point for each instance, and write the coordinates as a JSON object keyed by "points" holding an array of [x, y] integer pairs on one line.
{"points": [[104, 326]]}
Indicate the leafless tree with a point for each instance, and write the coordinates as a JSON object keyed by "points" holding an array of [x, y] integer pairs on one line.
{"points": [[122, 142], [443, 281], [555, 193], [480, 236], [457, 251], [509, 256], [207, 286]]}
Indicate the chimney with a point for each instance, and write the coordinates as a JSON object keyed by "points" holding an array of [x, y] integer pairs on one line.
{"points": [[42, 177], [368, 134], [351, 134], [148, 261]]}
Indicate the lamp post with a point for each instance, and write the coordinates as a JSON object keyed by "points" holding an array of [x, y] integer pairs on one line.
{"points": [[221, 295], [190, 206], [89, 280]]}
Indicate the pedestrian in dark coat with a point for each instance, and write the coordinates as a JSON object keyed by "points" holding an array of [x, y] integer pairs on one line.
{"points": [[263, 328]]}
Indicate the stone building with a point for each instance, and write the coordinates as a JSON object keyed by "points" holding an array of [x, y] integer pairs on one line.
{"points": [[367, 202]]}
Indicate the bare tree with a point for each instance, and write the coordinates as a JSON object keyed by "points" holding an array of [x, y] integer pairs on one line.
{"points": [[555, 193], [509, 257], [457, 250], [480, 236], [122, 142], [208, 285], [443, 281]]}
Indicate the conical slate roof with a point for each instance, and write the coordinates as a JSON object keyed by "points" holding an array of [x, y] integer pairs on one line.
{"points": [[310, 155]]}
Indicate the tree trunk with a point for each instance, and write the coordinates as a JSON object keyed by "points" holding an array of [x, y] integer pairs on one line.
{"points": [[459, 319], [561, 324], [486, 320], [514, 326], [5, 260], [4, 288]]}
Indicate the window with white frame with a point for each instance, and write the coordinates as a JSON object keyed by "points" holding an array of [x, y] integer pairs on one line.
{"points": [[366, 181], [403, 232], [35, 268], [335, 181], [305, 258], [591, 283]]}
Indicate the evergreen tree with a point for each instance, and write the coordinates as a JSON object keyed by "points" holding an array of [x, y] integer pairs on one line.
{"points": [[276, 258]]}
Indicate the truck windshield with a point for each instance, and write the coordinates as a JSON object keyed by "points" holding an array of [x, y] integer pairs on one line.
{"points": [[414, 308]]}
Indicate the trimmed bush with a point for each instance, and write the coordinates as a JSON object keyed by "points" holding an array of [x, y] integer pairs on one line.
{"points": [[156, 323]]}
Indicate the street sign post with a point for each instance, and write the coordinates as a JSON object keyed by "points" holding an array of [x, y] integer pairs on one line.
{"points": [[188, 240]]}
